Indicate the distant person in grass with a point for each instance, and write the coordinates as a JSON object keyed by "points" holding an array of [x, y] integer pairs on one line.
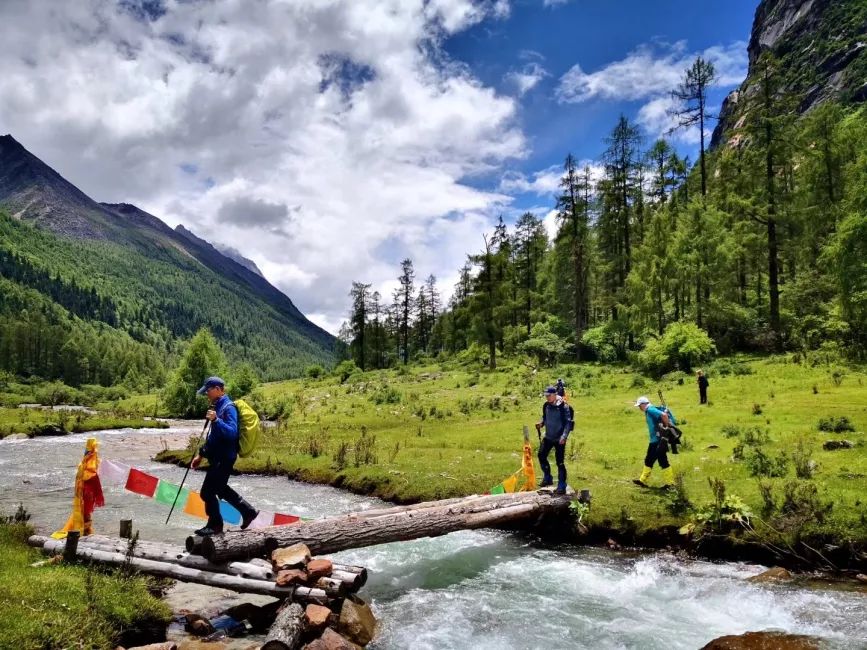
{"points": [[221, 450], [656, 449], [558, 422], [702, 386]]}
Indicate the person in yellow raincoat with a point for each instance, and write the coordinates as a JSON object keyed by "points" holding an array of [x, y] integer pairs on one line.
{"points": [[88, 493]]}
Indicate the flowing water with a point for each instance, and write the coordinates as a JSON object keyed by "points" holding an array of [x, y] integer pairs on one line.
{"points": [[473, 589]]}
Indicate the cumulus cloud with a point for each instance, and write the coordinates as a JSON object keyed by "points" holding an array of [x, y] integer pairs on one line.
{"points": [[651, 72], [526, 78], [546, 182], [326, 140]]}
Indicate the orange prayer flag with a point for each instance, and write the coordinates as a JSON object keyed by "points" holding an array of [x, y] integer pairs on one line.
{"points": [[195, 506]]}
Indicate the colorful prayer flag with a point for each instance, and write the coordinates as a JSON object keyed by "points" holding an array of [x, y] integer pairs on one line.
{"points": [[280, 520], [262, 520], [498, 489], [112, 473], [141, 483], [230, 513], [167, 492], [510, 483], [195, 506]]}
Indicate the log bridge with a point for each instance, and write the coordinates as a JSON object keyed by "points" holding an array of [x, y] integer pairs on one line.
{"points": [[236, 560]]}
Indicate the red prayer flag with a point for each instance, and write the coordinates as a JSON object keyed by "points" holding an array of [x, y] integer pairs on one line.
{"points": [[279, 519], [141, 483]]}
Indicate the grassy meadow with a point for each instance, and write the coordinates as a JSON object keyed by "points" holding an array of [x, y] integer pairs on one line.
{"points": [[30, 421], [437, 431], [62, 606]]}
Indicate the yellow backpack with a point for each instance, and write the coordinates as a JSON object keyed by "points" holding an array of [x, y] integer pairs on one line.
{"points": [[248, 428]]}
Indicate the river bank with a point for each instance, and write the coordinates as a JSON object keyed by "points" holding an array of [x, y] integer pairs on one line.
{"points": [[38, 420], [468, 589], [443, 430]]}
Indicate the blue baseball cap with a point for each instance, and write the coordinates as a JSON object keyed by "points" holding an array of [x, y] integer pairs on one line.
{"points": [[550, 390], [211, 382]]}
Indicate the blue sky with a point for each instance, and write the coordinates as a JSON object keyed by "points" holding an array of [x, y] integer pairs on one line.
{"points": [[328, 140], [593, 34]]}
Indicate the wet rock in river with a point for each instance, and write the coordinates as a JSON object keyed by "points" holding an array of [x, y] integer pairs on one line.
{"points": [[774, 574], [764, 641], [331, 640], [357, 621]]}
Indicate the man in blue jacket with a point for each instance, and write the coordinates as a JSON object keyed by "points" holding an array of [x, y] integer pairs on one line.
{"points": [[221, 450], [655, 451], [558, 420]]}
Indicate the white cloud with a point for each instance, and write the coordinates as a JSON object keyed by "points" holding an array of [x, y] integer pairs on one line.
{"points": [[324, 140], [546, 182], [527, 77], [554, 3], [650, 70]]}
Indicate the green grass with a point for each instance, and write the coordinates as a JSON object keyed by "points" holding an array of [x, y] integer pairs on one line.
{"points": [[59, 606], [29, 421], [443, 431]]}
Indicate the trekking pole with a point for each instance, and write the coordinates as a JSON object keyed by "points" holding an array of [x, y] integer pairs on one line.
{"points": [[196, 451], [661, 398]]}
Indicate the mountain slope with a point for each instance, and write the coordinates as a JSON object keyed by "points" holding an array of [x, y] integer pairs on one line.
{"points": [[821, 46], [163, 284]]}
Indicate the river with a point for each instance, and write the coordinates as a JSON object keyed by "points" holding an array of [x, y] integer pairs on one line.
{"points": [[473, 589]]}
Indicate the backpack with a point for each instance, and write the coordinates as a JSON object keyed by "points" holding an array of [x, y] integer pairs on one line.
{"points": [[248, 428], [669, 436]]}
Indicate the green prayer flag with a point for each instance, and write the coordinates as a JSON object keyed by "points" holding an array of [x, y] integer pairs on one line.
{"points": [[499, 489], [166, 493]]}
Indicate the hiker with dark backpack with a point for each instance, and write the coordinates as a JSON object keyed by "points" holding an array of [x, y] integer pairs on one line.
{"points": [[221, 448], [702, 387], [663, 434], [558, 420]]}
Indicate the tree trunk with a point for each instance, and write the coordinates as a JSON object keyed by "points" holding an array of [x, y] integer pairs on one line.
{"points": [[774, 284], [198, 576], [335, 534], [286, 631]]}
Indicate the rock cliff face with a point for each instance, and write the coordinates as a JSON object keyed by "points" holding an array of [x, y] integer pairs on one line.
{"points": [[821, 46]]}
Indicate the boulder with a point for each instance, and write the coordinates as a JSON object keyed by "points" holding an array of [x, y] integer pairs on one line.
{"points": [[357, 621], [289, 577], [833, 445], [17, 436], [316, 616], [331, 640], [319, 569], [764, 641], [774, 574], [861, 578], [292, 557]]}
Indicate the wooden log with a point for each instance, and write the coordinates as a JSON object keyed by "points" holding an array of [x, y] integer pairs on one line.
{"points": [[70, 546], [285, 633], [340, 533], [359, 571], [352, 582], [126, 528], [198, 576], [194, 544], [331, 586], [165, 553]]}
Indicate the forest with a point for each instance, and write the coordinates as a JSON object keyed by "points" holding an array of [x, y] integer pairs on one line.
{"points": [[759, 245]]}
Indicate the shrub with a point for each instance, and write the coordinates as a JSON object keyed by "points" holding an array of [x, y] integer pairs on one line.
{"points": [[761, 464], [314, 372], [835, 424], [345, 369], [365, 449], [544, 344], [602, 343], [801, 500], [766, 490], [339, 456], [681, 346], [757, 409], [731, 430], [386, 395], [805, 466]]}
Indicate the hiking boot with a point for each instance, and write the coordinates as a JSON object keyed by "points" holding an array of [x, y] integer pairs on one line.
{"points": [[546, 482], [642, 480], [640, 483], [247, 519], [207, 531], [560, 490]]}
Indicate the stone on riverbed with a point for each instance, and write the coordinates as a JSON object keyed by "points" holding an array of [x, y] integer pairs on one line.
{"points": [[17, 436], [764, 641], [289, 577], [316, 616], [319, 569], [292, 557], [357, 621], [331, 640], [774, 574]]}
